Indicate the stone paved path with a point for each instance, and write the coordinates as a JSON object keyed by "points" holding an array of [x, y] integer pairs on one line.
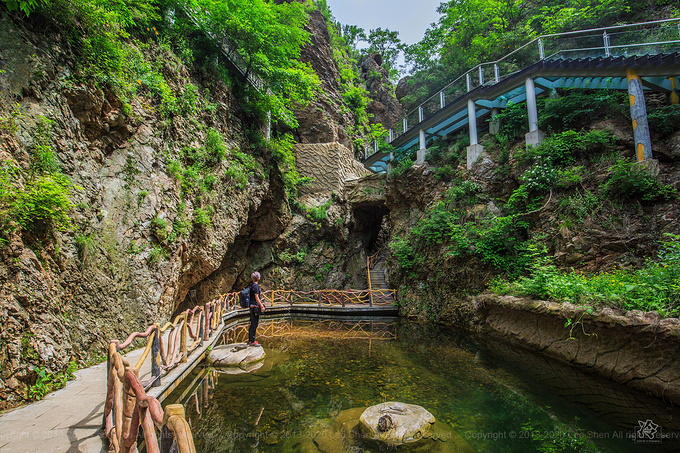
{"points": [[68, 420]]}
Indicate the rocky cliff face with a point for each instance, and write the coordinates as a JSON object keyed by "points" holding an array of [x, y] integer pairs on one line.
{"points": [[384, 107], [323, 120], [142, 233]]}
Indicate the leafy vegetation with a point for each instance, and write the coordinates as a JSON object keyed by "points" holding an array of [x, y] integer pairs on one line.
{"points": [[319, 213], [38, 202], [664, 120], [655, 287], [269, 37], [47, 382], [500, 241], [26, 6], [636, 180]]}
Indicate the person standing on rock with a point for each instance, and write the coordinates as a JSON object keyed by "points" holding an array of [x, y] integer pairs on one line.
{"points": [[256, 308]]}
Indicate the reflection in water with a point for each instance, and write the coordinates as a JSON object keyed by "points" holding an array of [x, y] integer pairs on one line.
{"points": [[486, 395]]}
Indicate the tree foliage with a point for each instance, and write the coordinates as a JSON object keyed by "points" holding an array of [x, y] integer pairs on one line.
{"points": [[25, 6], [386, 43], [470, 32], [269, 37]]}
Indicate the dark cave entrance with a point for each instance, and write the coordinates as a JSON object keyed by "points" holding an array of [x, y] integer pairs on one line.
{"points": [[370, 226]]}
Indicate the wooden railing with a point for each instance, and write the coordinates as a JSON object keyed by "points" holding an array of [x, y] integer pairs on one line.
{"points": [[374, 259], [330, 297], [128, 406]]}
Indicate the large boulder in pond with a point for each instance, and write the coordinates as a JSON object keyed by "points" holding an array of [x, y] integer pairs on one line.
{"points": [[396, 423], [239, 356]]}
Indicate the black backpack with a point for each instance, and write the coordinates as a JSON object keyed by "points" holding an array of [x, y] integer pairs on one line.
{"points": [[244, 297]]}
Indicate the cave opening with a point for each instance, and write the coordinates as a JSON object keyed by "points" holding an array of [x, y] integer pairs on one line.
{"points": [[371, 225]]}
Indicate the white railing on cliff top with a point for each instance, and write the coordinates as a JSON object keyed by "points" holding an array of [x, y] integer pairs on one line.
{"points": [[644, 38]]}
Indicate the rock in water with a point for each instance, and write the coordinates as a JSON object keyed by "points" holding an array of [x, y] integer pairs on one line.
{"points": [[235, 355], [396, 423]]}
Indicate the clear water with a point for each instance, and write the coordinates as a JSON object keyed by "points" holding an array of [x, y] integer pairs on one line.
{"points": [[485, 395]]}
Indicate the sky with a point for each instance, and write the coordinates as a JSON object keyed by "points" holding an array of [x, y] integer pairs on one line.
{"points": [[409, 17]]}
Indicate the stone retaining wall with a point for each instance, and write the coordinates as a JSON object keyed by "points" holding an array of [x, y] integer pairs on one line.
{"points": [[641, 350], [329, 164]]}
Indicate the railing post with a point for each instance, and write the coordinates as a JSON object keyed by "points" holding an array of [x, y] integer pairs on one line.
{"points": [[541, 49], [108, 376], [468, 80], [421, 114], [155, 349], [391, 136], [442, 99], [496, 72], [405, 124], [206, 321], [201, 327], [183, 338], [319, 293], [481, 75]]}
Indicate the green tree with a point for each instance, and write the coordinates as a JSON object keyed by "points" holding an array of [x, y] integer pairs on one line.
{"points": [[269, 37], [27, 6], [353, 35], [386, 43]]}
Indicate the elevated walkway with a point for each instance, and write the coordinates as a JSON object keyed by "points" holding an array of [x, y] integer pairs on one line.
{"points": [[649, 49]]}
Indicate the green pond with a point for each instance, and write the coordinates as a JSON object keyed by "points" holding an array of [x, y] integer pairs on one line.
{"points": [[319, 375]]}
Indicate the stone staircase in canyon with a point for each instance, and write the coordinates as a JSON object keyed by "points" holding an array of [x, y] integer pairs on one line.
{"points": [[378, 279]]}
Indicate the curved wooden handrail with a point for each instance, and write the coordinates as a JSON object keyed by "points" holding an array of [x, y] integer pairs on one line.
{"points": [[132, 336]]}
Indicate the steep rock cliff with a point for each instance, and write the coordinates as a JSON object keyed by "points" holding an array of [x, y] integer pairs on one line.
{"points": [[384, 107], [143, 232], [323, 120]]}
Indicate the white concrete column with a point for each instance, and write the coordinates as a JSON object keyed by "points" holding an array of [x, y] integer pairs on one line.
{"points": [[474, 150], [268, 127], [495, 123], [534, 137], [472, 121], [390, 166], [531, 104], [638, 113], [420, 156]]}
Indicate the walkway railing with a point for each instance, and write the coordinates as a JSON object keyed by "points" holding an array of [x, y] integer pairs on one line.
{"points": [[643, 38], [331, 297], [128, 406]]}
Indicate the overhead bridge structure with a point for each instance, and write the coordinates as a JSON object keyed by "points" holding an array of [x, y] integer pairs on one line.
{"points": [[637, 58]]}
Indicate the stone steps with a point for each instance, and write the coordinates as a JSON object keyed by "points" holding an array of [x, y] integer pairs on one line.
{"points": [[379, 279]]}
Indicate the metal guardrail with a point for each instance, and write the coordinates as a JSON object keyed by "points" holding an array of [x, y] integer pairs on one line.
{"points": [[642, 38]]}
